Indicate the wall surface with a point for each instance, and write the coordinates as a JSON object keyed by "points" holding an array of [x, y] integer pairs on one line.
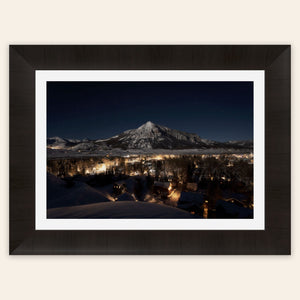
{"points": [[148, 22]]}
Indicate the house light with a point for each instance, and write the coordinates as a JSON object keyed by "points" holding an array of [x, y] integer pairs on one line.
{"points": [[101, 168]]}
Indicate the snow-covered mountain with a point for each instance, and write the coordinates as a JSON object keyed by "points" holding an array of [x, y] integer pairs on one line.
{"points": [[246, 143], [152, 136], [147, 136], [60, 143]]}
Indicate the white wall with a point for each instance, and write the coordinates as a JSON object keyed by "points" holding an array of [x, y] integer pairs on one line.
{"points": [[159, 22]]}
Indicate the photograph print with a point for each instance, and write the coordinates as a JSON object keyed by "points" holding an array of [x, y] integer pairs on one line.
{"points": [[150, 150]]}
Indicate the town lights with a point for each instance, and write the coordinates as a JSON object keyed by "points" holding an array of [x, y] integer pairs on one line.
{"points": [[158, 157], [101, 168]]}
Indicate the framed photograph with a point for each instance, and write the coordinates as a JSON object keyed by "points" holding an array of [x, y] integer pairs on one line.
{"points": [[150, 149]]}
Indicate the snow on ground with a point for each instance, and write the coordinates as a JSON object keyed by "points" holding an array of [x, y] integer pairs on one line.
{"points": [[53, 153], [190, 199], [76, 199], [126, 197], [60, 194], [234, 210], [119, 210]]}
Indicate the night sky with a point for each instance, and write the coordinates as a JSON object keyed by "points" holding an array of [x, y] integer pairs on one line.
{"points": [[219, 111]]}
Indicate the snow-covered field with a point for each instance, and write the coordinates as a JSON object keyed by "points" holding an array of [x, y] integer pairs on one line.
{"points": [[53, 153]]}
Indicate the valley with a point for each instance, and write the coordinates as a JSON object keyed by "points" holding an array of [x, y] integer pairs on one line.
{"points": [[180, 174]]}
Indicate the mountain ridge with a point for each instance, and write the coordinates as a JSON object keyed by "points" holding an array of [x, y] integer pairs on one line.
{"points": [[146, 136]]}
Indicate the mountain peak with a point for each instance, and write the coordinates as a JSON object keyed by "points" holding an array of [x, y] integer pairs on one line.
{"points": [[147, 125]]}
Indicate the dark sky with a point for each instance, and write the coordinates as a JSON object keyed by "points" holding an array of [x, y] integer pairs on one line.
{"points": [[219, 111]]}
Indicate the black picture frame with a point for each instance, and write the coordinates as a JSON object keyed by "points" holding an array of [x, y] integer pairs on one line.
{"points": [[26, 59]]}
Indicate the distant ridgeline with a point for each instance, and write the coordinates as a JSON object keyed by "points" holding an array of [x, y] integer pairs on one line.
{"points": [[146, 139]]}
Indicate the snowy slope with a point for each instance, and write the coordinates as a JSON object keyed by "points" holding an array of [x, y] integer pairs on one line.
{"points": [[119, 210], [59, 194]]}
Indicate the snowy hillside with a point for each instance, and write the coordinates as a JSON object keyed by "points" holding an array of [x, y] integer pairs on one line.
{"points": [[119, 210], [60, 194]]}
